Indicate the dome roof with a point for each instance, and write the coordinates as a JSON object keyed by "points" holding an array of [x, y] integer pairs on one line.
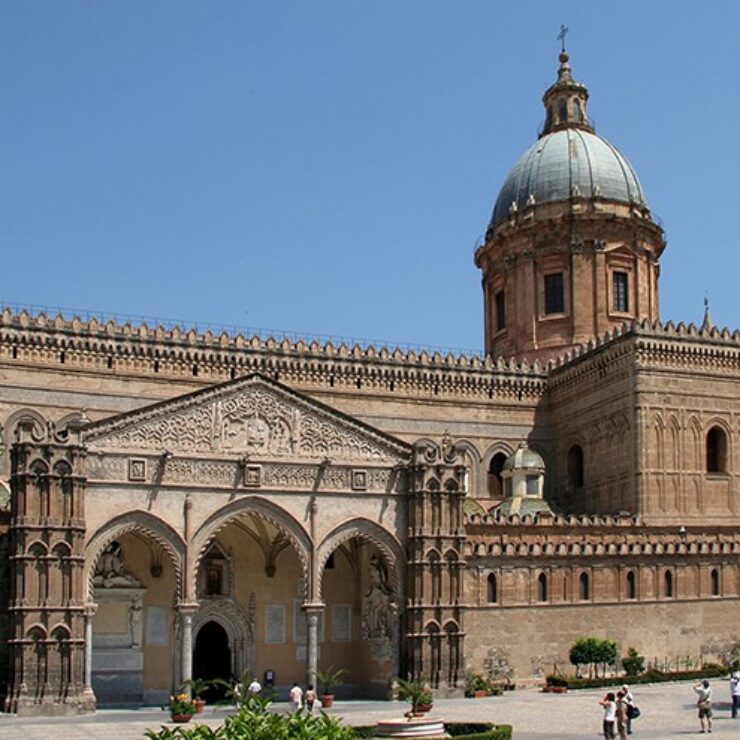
{"points": [[523, 459], [571, 162]]}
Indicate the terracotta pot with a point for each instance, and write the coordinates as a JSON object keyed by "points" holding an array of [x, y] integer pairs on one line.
{"points": [[200, 705], [555, 689], [180, 718], [421, 709], [327, 701], [480, 693]]}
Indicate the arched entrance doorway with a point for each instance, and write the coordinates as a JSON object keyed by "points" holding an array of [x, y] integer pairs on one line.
{"points": [[212, 658], [251, 581]]}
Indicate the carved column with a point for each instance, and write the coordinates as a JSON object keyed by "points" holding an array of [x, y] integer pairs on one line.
{"points": [[434, 548], [47, 532], [90, 610], [313, 612], [186, 612]]}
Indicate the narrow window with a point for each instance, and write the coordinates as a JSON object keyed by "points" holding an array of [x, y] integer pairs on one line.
{"points": [[495, 483], [631, 585], [542, 587], [584, 590], [575, 466], [714, 576], [533, 485], [500, 308], [620, 295], [554, 298], [668, 584], [716, 451], [563, 112], [492, 593]]}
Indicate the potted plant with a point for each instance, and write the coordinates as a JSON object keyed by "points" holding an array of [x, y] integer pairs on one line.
{"points": [[198, 686], [329, 678], [417, 693], [181, 707]]}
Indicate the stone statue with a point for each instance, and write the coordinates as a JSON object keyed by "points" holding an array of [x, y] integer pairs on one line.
{"points": [[377, 607], [134, 619], [110, 571]]}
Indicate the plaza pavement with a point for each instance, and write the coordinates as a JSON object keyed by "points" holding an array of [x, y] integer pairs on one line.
{"points": [[668, 712]]}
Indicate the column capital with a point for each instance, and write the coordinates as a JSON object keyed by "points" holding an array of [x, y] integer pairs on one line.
{"points": [[90, 609], [186, 607], [313, 607]]}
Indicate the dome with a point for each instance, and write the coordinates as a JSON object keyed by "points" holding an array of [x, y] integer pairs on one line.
{"points": [[570, 162], [523, 459]]}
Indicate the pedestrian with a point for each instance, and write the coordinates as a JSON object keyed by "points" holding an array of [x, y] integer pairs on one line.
{"points": [[622, 716], [735, 693], [296, 697], [610, 716], [309, 698], [255, 687], [632, 711], [704, 704]]}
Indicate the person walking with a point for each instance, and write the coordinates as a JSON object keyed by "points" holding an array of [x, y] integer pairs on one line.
{"points": [[704, 704], [309, 698], [255, 687], [610, 716], [296, 697], [622, 715], [629, 699], [735, 693]]}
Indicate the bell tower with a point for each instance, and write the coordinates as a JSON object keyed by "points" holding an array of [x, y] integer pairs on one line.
{"points": [[572, 249]]}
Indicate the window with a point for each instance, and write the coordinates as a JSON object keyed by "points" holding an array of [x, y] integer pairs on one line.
{"points": [[495, 483], [213, 580], [554, 299], [575, 466], [492, 592], [500, 308], [542, 587], [620, 296], [716, 451], [668, 584], [584, 587], [714, 578], [533, 485], [631, 585]]}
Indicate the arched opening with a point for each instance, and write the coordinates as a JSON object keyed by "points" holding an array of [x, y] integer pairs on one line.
{"points": [[495, 482], [250, 583], [716, 450], [714, 582], [212, 657], [133, 648], [668, 584], [542, 587], [492, 591], [631, 585], [575, 467], [358, 629], [584, 590]]}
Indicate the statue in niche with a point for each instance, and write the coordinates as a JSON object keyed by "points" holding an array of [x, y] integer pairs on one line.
{"points": [[134, 619], [378, 607], [110, 571]]}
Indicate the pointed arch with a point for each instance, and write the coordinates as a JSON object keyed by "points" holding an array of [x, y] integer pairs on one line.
{"points": [[261, 508], [144, 523], [367, 530]]}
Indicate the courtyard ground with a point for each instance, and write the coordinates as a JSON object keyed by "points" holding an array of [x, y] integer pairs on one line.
{"points": [[668, 712]]}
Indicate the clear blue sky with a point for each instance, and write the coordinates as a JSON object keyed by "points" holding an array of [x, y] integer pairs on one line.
{"points": [[328, 166]]}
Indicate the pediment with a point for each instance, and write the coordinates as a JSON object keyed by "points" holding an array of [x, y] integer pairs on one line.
{"points": [[251, 416]]}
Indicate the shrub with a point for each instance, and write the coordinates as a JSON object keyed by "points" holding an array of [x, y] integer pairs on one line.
{"points": [[553, 680], [478, 682], [634, 663]]}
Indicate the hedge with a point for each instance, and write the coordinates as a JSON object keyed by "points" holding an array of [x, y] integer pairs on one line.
{"points": [[459, 730], [651, 676]]}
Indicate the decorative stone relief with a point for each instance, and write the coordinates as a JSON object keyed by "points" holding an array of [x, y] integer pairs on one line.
{"points": [[110, 571], [379, 613], [252, 418]]}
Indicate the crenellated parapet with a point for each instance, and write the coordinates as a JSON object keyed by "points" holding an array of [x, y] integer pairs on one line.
{"points": [[205, 357]]}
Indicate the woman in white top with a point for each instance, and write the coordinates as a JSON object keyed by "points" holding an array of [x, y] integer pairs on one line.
{"points": [[610, 716], [704, 704]]}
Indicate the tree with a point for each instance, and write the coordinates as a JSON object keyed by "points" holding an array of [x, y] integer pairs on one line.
{"points": [[593, 651]]}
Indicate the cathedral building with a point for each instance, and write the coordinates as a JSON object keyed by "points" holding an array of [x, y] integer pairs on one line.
{"points": [[179, 504]]}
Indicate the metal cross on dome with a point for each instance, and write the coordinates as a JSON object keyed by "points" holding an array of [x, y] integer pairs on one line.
{"points": [[561, 36]]}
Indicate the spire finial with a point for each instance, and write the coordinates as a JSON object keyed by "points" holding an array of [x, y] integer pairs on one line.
{"points": [[561, 37], [707, 324]]}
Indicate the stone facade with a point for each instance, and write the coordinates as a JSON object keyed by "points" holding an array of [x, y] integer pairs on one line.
{"points": [[189, 504]]}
